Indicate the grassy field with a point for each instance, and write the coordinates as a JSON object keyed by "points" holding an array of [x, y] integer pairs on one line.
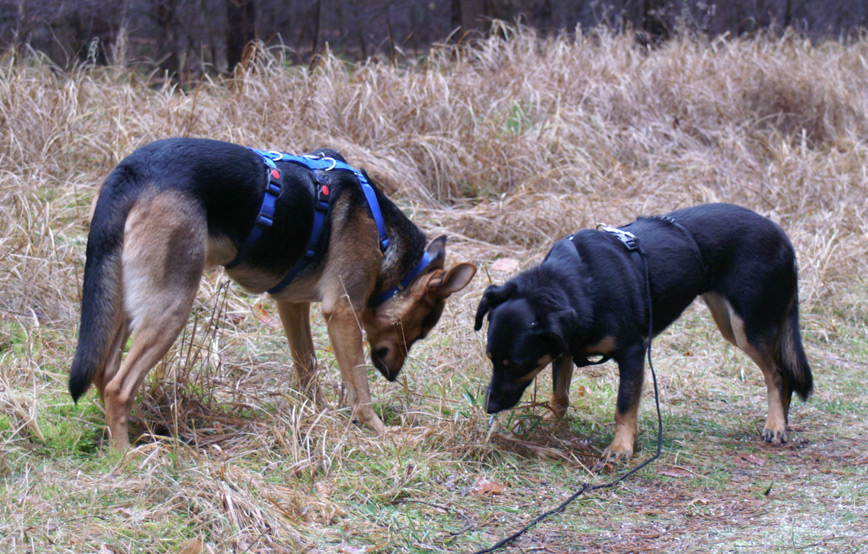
{"points": [[506, 145]]}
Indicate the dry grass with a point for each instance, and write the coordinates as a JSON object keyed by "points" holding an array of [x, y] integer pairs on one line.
{"points": [[506, 145]]}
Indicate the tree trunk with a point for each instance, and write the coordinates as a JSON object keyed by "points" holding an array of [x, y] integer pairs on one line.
{"points": [[240, 29], [166, 19]]}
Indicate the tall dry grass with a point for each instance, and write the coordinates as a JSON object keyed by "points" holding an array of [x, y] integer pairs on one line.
{"points": [[505, 144], [536, 136]]}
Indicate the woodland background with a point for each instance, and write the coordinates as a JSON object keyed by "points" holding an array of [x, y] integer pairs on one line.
{"points": [[188, 38]]}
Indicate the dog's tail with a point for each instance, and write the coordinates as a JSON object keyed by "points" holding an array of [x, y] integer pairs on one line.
{"points": [[791, 357], [102, 294]]}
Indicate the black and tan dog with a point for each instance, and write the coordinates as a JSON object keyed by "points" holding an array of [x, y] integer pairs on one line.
{"points": [[588, 298], [176, 206]]}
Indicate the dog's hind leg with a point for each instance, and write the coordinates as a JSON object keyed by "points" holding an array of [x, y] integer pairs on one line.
{"points": [[779, 388], [113, 363], [296, 323], [163, 258]]}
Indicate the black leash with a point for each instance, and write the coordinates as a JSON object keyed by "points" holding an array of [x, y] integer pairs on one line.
{"points": [[632, 243]]}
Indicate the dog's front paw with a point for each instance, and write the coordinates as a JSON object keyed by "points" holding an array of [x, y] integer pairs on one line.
{"points": [[621, 450], [617, 455], [775, 435], [366, 416], [555, 414]]}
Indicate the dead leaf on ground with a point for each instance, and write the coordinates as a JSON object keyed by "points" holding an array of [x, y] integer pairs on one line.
{"points": [[485, 485], [751, 459], [264, 317], [675, 472], [347, 549], [323, 490], [192, 546]]}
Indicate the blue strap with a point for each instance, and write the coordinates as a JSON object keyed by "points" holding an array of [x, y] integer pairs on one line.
{"points": [[371, 195], [321, 209], [324, 163], [266, 213], [405, 282]]}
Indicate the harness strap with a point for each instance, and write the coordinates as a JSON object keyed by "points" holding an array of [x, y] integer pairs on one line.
{"points": [[631, 243], [320, 213], [696, 249], [405, 282], [325, 163], [274, 186]]}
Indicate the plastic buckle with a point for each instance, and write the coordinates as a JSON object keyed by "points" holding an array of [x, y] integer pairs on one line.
{"points": [[627, 238], [264, 221]]}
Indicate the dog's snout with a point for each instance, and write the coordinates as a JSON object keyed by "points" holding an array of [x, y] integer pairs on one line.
{"points": [[493, 405], [502, 396], [493, 402], [380, 357]]}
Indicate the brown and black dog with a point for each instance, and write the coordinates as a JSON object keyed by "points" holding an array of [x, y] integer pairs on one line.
{"points": [[590, 297], [177, 206]]}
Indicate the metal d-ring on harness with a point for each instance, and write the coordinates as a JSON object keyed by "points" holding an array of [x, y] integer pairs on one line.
{"points": [[317, 165], [631, 243]]}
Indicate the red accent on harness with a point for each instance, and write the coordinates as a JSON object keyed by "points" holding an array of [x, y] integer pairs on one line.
{"points": [[325, 190], [275, 173]]}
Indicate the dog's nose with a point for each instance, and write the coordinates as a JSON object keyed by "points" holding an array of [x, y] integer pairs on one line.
{"points": [[378, 356], [492, 406], [380, 353]]}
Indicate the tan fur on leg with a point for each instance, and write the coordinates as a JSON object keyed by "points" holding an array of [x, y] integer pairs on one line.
{"points": [[296, 324], [732, 328], [626, 428], [346, 338], [163, 259], [561, 397]]}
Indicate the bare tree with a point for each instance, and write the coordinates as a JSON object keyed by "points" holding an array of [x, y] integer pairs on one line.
{"points": [[240, 29]]}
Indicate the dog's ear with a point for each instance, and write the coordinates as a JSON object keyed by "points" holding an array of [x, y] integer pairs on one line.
{"points": [[453, 281], [493, 296], [437, 250], [561, 327], [553, 343]]}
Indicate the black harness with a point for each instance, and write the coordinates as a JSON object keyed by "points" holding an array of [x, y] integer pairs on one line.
{"points": [[696, 250]]}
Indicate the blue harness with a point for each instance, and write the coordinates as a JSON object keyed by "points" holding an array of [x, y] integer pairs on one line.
{"points": [[321, 210]]}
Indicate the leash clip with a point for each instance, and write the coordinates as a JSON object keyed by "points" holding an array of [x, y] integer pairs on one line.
{"points": [[626, 237]]}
